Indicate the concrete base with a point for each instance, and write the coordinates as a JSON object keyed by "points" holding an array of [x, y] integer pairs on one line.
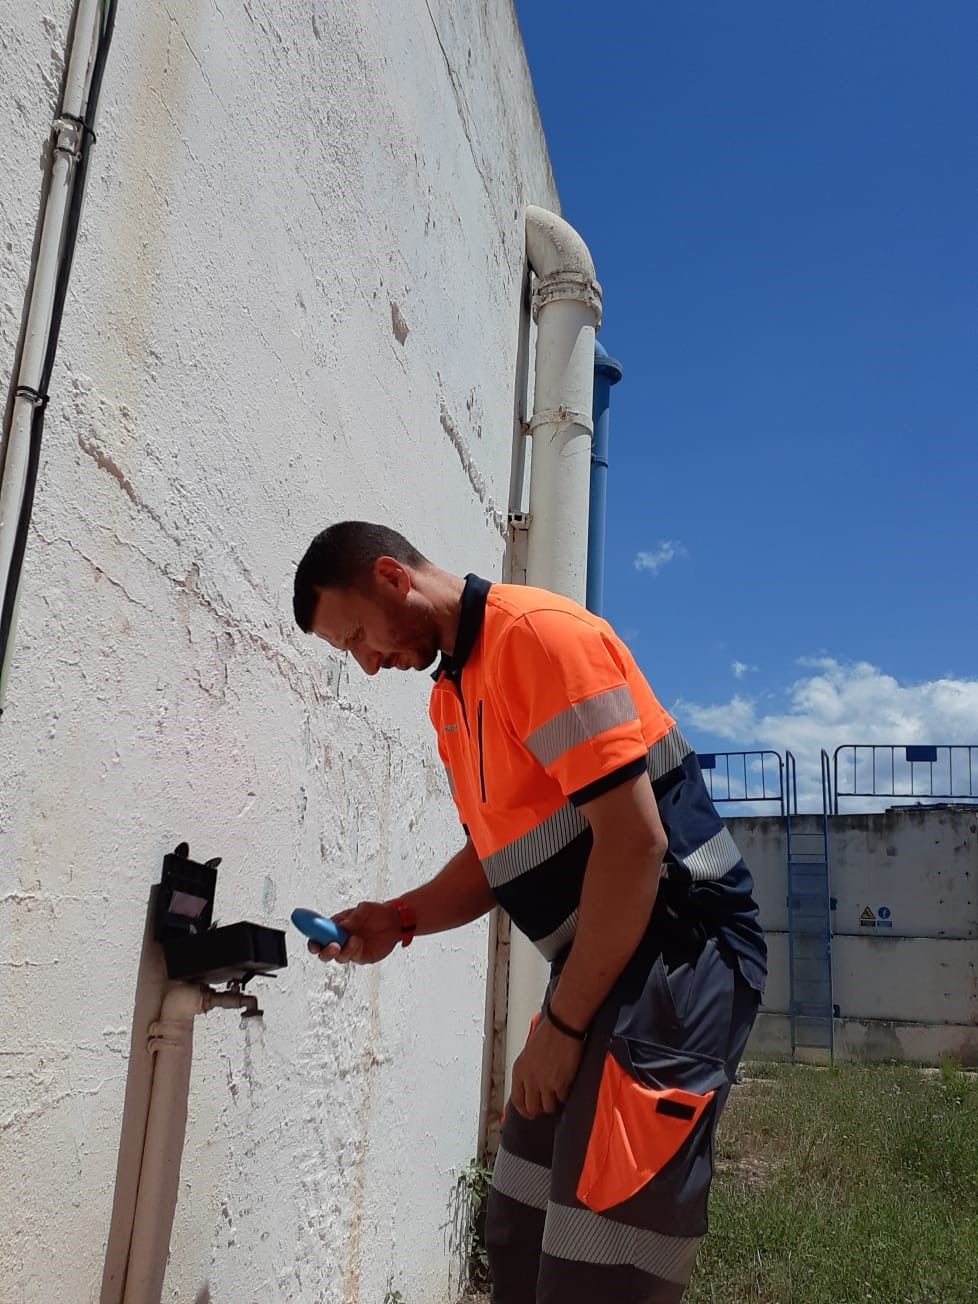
{"points": [[870, 1041]]}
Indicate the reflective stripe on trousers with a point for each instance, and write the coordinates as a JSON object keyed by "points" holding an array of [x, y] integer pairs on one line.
{"points": [[606, 1200]]}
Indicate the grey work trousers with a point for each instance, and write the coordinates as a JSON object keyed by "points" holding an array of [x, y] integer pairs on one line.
{"points": [[675, 1029]]}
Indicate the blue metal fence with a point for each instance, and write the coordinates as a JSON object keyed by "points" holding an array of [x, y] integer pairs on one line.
{"points": [[744, 776], [917, 773]]}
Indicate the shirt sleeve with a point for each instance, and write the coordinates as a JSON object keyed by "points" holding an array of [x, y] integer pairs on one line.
{"points": [[564, 688]]}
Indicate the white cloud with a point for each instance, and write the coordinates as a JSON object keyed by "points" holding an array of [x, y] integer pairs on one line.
{"points": [[735, 720], [838, 704], [666, 551], [741, 668]]}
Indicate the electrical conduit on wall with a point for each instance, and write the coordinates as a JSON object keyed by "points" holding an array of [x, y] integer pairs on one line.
{"points": [[64, 189]]}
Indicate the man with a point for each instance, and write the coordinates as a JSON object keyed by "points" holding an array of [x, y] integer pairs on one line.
{"points": [[587, 819]]}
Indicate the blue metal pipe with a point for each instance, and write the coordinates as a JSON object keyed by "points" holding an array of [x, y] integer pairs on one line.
{"points": [[607, 372]]}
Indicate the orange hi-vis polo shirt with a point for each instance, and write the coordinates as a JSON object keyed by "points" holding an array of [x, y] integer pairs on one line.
{"points": [[540, 709]]}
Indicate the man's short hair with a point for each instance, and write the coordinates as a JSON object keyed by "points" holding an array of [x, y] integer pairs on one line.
{"points": [[342, 557]]}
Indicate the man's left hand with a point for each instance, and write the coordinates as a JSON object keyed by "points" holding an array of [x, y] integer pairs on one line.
{"points": [[545, 1070]]}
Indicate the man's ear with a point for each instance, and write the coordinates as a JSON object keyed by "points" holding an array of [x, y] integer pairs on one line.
{"points": [[392, 574]]}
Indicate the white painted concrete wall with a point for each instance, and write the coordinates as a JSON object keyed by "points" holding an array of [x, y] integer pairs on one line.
{"points": [[907, 990], [297, 297]]}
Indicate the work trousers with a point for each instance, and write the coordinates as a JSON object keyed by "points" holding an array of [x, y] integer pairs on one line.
{"points": [[606, 1200]]}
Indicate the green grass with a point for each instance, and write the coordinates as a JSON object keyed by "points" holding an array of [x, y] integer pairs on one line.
{"points": [[844, 1185]]}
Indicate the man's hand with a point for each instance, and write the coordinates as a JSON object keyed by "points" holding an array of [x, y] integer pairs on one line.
{"points": [[456, 896], [545, 1070], [374, 930]]}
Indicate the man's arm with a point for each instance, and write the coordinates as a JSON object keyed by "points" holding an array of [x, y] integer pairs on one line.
{"points": [[620, 885], [619, 891], [456, 895]]}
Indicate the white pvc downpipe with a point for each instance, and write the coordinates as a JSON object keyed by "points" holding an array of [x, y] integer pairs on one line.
{"points": [[170, 1042], [14, 454], [567, 311], [151, 986]]}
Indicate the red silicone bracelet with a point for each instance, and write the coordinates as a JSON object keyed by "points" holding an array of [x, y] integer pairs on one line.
{"points": [[408, 921]]}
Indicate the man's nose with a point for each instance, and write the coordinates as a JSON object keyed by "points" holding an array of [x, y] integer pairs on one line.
{"points": [[369, 662]]}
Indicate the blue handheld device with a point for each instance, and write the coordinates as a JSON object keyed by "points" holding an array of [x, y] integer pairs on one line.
{"points": [[318, 927]]}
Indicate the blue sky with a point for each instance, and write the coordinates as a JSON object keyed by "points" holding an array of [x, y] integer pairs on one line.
{"points": [[782, 204]]}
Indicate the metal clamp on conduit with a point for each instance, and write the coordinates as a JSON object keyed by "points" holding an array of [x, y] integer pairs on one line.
{"points": [[69, 131]]}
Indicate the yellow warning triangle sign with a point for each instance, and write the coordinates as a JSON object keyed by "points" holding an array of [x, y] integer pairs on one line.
{"points": [[867, 914]]}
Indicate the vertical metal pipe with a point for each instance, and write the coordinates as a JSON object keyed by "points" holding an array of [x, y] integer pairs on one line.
{"points": [[607, 372]]}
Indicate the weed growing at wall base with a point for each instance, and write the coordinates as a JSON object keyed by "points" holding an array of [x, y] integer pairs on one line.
{"points": [[838, 1186], [467, 1227]]}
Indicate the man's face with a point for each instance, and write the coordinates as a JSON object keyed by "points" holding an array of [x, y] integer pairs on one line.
{"points": [[387, 625]]}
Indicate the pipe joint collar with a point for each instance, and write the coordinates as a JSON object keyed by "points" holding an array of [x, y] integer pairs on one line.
{"points": [[167, 1033], [558, 417], [567, 285]]}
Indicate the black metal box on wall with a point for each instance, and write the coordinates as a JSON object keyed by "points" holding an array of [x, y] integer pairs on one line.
{"points": [[193, 950]]}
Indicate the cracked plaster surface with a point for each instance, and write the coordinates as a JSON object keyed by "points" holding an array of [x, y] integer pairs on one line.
{"points": [[266, 184]]}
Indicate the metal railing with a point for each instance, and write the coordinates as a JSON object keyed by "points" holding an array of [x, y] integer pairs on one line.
{"points": [[791, 784], [744, 776], [945, 772]]}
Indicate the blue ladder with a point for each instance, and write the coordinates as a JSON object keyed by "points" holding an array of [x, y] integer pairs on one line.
{"points": [[811, 1009]]}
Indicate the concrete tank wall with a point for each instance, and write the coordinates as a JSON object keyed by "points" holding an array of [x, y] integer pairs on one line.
{"points": [[297, 297], [905, 944]]}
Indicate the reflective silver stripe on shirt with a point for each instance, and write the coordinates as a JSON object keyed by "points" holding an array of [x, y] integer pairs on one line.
{"points": [[521, 1180], [668, 753], [552, 945], [588, 1237], [531, 849], [714, 858], [581, 721]]}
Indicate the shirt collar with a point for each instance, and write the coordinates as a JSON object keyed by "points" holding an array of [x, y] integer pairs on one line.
{"points": [[473, 612]]}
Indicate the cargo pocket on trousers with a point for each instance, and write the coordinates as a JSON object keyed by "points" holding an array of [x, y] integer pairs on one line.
{"points": [[650, 1100]]}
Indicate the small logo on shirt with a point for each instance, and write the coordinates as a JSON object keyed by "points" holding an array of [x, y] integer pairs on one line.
{"points": [[450, 728]]}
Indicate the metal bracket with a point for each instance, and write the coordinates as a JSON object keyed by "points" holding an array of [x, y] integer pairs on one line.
{"points": [[68, 135], [519, 542]]}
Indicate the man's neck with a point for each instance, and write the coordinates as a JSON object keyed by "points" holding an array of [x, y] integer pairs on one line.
{"points": [[445, 594]]}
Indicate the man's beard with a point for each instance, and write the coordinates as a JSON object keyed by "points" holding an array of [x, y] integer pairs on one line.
{"points": [[415, 636]]}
